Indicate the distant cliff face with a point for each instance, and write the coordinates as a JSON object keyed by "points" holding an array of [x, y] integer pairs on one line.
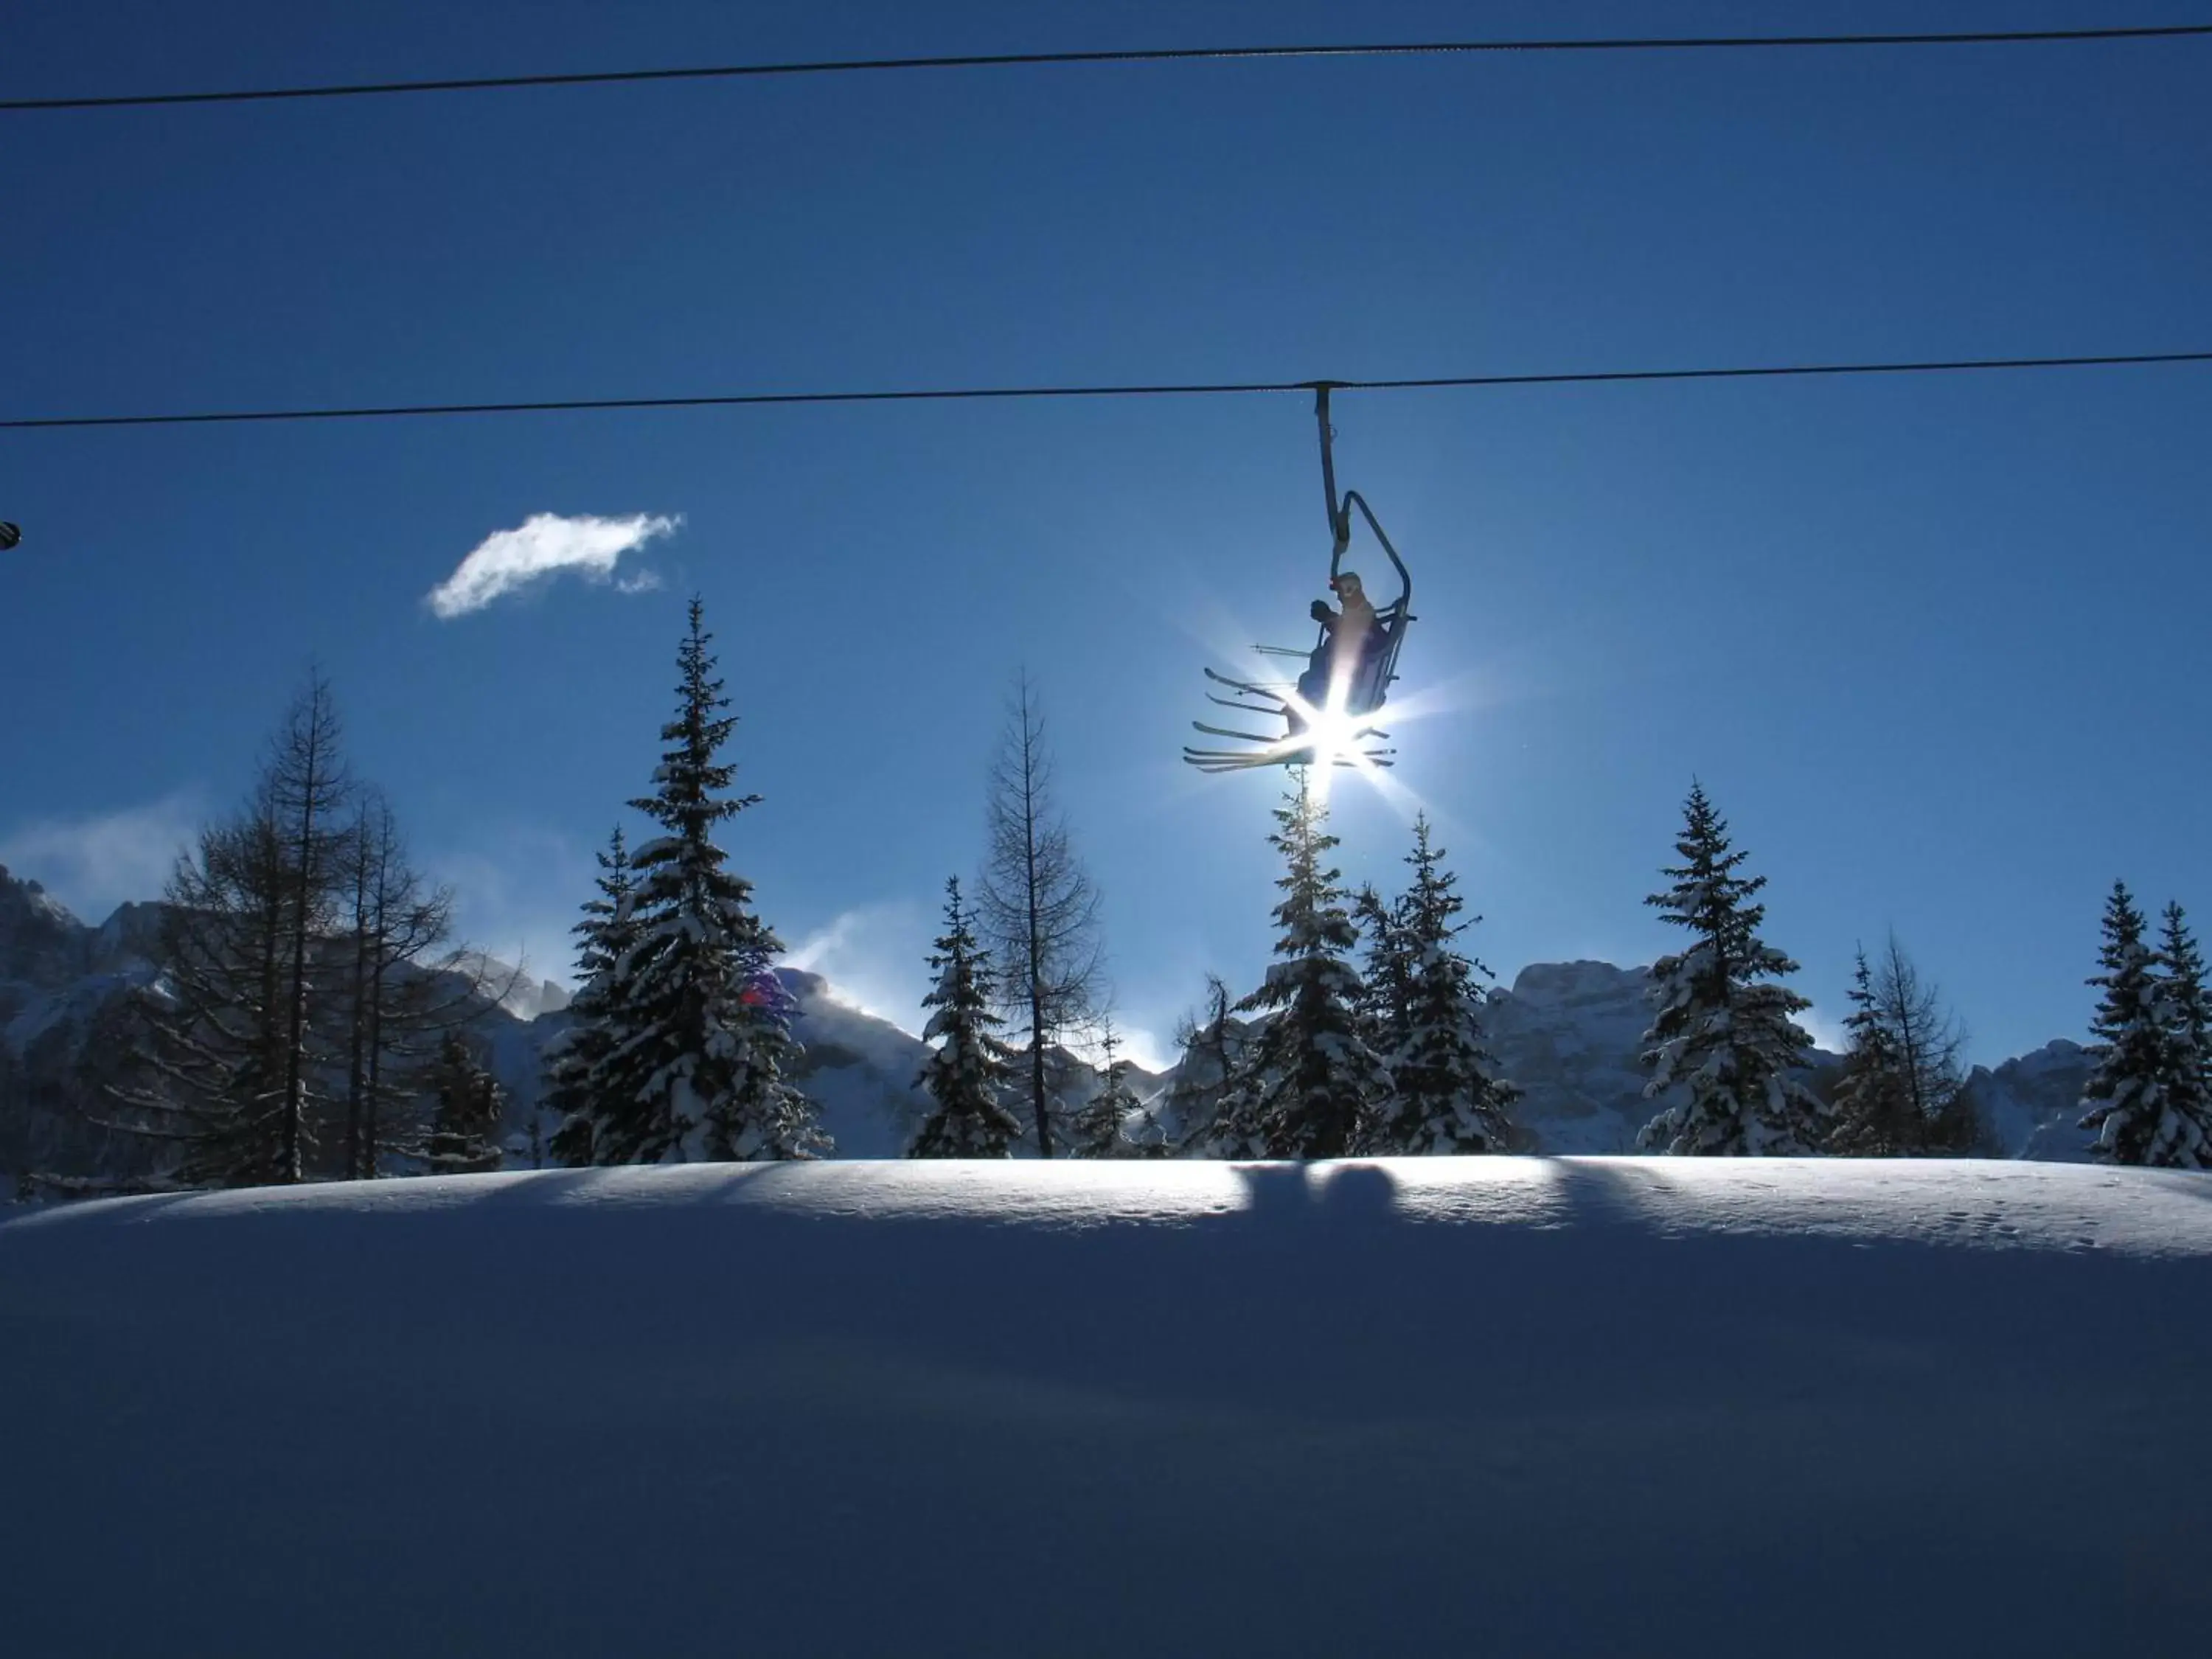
{"points": [[1569, 1034], [42, 945], [2032, 1103]]}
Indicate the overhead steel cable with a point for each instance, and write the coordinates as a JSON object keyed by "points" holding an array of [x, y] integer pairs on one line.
{"points": [[1162, 389], [1132, 55]]}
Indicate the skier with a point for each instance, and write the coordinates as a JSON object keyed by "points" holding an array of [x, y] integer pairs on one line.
{"points": [[1346, 639]]}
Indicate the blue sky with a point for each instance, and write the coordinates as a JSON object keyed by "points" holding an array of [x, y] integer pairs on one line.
{"points": [[1934, 644]]}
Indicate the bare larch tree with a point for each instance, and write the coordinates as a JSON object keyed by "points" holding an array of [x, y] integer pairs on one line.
{"points": [[309, 789], [1036, 903], [407, 987]]}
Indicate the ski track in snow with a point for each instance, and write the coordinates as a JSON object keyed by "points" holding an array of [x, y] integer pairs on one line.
{"points": [[1448, 1406]]}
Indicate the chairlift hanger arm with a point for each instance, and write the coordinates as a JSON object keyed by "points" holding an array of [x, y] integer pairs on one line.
{"points": [[1340, 507], [1339, 525], [1352, 499]]}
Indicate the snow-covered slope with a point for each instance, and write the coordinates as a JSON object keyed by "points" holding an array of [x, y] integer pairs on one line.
{"points": [[1513, 1406]]}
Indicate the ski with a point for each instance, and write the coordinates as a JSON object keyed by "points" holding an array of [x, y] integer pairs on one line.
{"points": [[1247, 707], [1254, 690], [1224, 731]]}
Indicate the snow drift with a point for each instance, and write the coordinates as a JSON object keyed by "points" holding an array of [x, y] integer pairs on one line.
{"points": [[1502, 1406]]}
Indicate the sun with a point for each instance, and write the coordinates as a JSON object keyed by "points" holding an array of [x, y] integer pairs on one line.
{"points": [[1335, 737]]}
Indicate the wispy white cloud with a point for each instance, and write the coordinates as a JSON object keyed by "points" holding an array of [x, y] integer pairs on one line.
{"points": [[545, 544], [96, 862]]}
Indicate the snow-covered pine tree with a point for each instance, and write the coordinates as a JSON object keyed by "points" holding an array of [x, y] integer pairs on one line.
{"points": [[1721, 1032], [603, 937], [1386, 1008], [970, 1071], [1149, 1137], [1447, 1096], [2121, 1097], [467, 1103], [2189, 1005], [1308, 1084], [2143, 1096], [1102, 1126], [702, 1041]]}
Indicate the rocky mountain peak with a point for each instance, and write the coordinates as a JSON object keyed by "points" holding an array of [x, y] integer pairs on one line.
{"points": [[41, 943]]}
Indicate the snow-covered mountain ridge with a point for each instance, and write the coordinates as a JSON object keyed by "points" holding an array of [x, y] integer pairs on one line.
{"points": [[1568, 1033]]}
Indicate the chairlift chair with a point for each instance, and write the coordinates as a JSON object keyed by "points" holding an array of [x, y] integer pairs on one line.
{"points": [[1369, 685]]}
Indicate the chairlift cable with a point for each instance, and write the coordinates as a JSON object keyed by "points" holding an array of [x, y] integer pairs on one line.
{"points": [[1161, 389], [1128, 56]]}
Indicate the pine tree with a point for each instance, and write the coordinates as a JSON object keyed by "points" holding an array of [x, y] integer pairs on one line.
{"points": [[2144, 1095], [968, 1073], [468, 1104], [1308, 1084], [1385, 1010], [1730, 1039], [701, 1039], [2190, 1025], [1102, 1126], [1447, 1097], [573, 1065]]}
